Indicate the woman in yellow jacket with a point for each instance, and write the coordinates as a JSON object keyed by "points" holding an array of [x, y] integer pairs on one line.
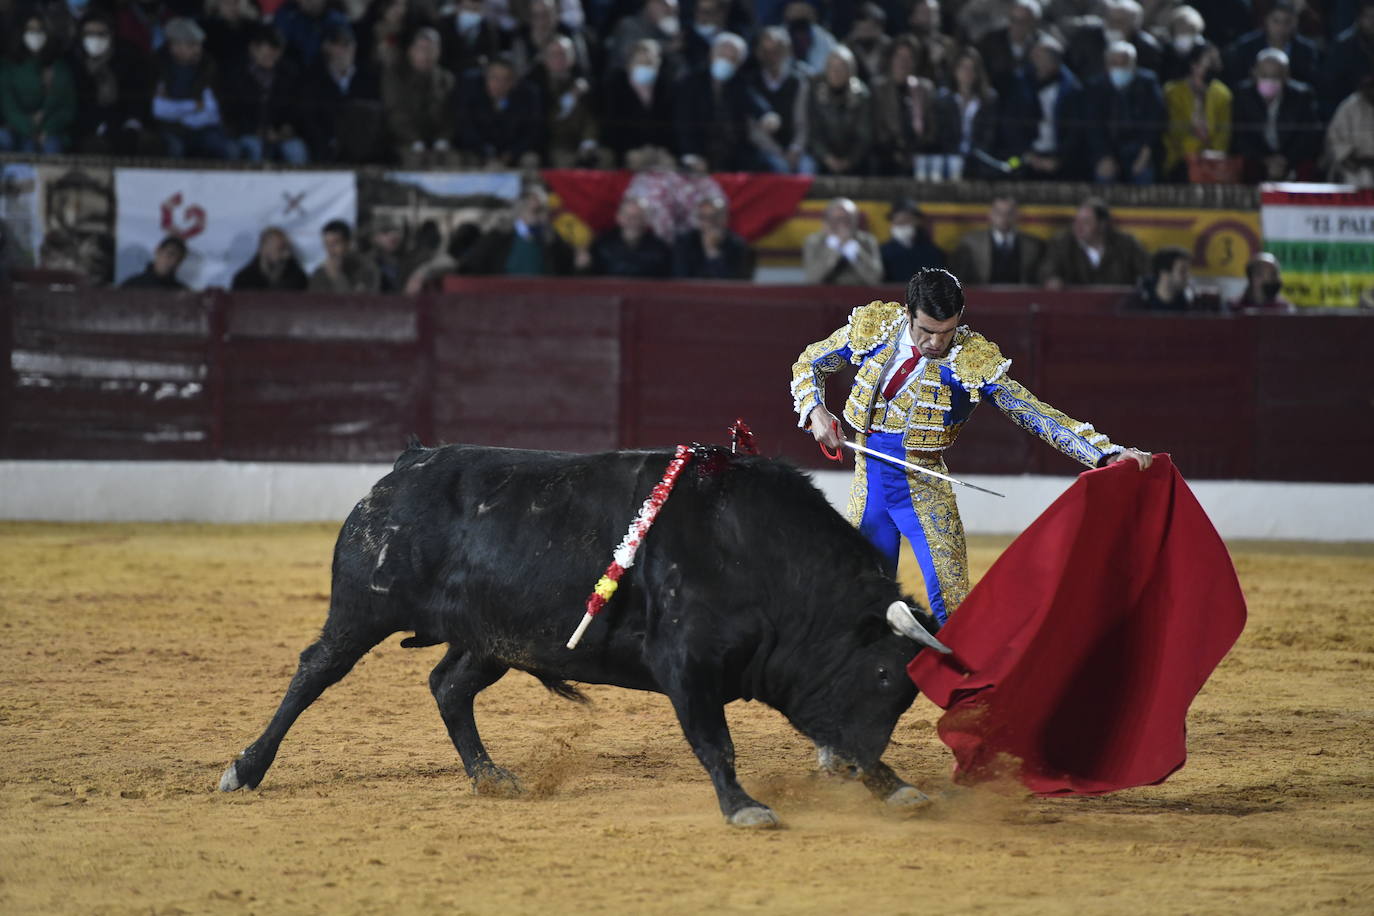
{"points": [[1199, 111]]}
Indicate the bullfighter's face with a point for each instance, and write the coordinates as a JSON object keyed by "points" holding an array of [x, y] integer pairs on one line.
{"points": [[932, 337]]}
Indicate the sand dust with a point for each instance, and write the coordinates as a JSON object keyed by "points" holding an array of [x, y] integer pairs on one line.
{"points": [[136, 660]]}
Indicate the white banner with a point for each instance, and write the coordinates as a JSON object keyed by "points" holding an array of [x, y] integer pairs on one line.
{"points": [[221, 214]]}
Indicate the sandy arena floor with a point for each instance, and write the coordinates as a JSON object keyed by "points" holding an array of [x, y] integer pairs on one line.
{"points": [[137, 660]]}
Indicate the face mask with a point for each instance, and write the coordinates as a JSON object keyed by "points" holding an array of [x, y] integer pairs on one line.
{"points": [[95, 45], [1270, 290], [643, 74], [1113, 35], [1121, 76], [468, 20], [1183, 44], [707, 31], [722, 69], [904, 234], [669, 25], [1268, 88], [35, 41]]}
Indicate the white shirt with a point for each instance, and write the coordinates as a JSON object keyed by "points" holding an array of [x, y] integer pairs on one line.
{"points": [[1046, 139], [1094, 254]]}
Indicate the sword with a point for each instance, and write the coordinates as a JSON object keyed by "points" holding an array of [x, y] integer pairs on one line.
{"points": [[915, 467]]}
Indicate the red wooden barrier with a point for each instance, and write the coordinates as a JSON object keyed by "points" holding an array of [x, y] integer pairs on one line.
{"points": [[587, 365]]}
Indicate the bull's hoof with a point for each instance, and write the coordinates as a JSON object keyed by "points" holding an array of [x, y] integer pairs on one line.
{"points": [[230, 780], [908, 798], [757, 816], [495, 782]]}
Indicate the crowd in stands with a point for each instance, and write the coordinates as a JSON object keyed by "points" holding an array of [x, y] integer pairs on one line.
{"points": [[1111, 91]]}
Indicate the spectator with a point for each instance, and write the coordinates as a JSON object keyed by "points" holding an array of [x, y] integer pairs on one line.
{"points": [[185, 104], [37, 95], [417, 94], [260, 103], [273, 267], [1126, 110], [1042, 124], [114, 90], [161, 272], [1001, 253], [910, 248], [530, 43], [905, 119], [1006, 50], [1350, 58], [1166, 288], [469, 39], [1276, 127], [1263, 286], [1350, 137], [380, 33], [786, 90], [570, 125], [525, 246], [229, 24], [1121, 21], [967, 115], [811, 43], [343, 269], [708, 21], [1093, 252], [639, 105], [714, 113], [344, 121], [1199, 112], [501, 122], [670, 195], [1279, 33], [840, 121], [868, 42], [302, 24], [657, 20], [1185, 34], [923, 23], [710, 251], [631, 249], [841, 252], [387, 238]]}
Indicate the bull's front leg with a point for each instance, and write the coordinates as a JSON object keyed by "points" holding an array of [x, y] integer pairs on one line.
{"points": [[880, 779], [701, 711]]}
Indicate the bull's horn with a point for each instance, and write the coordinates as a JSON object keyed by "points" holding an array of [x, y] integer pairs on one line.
{"points": [[904, 623]]}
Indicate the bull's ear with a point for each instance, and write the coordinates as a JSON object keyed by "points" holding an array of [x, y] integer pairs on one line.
{"points": [[904, 623]]}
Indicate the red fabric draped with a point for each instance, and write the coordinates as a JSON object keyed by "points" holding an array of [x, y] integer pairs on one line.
{"points": [[1077, 655], [758, 203]]}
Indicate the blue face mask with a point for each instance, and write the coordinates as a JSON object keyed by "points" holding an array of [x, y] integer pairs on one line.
{"points": [[1121, 76], [722, 69], [643, 74]]}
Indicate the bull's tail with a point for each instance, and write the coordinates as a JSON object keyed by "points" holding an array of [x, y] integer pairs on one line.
{"points": [[563, 689]]}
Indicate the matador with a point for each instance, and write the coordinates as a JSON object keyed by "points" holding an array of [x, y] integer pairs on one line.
{"points": [[921, 373]]}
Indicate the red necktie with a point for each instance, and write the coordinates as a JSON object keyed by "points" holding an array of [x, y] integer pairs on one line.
{"points": [[899, 377]]}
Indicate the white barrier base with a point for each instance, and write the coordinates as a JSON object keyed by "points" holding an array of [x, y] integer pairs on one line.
{"points": [[218, 491]]}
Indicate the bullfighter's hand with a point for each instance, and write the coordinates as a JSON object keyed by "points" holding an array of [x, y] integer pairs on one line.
{"points": [[824, 427], [1144, 459]]}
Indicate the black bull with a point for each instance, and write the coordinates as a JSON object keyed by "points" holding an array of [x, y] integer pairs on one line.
{"points": [[748, 586]]}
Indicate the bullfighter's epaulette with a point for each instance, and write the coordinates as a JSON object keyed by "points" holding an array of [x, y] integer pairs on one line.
{"points": [[874, 324], [975, 361]]}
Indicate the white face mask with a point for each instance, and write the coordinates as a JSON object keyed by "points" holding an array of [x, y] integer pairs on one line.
{"points": [[468, 20], [35, 41], [904, 234], [669, 25], [643, 74], [1183, 44], [95, 45], [722, 69]]}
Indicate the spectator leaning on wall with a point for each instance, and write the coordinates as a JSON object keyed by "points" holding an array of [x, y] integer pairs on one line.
{"points": [[1263, 286], [710, 251], [161, 272], [1093, 252], [1166, 288], [630, 248], [343, 269], [274, 265]]}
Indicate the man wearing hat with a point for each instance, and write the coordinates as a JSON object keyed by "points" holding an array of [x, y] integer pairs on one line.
{"points": [[184, 103]]}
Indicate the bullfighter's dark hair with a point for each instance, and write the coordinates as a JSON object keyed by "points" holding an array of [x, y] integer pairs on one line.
{"points": [[936, 292]]}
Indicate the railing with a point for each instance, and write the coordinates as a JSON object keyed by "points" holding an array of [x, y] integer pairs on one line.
{"points": [[588, 365]]}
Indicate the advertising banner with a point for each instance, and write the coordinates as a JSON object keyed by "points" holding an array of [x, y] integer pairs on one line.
{"points": [[1323, 236]]}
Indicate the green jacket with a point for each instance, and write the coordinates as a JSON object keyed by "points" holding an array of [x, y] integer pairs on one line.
{"points": [[25, 91]]}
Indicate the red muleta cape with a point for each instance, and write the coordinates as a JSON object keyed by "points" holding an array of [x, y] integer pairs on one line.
{"points": [[1077, 655]]}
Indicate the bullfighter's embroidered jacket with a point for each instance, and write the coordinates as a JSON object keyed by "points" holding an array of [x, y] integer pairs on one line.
{"points": [[930, 411]]}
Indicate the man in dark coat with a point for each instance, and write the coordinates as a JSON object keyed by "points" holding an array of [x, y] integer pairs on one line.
{"points": [[714, 110], [1125, 108], [161, 272], [1041, 121], [500, 121], [1280, 32], [711, 251], [1276, 126], [273, 267], [527, 246], [630, 249], [1001, 253], [1093, 252], [1166, 287], [910, 248], [343, 110], [114, 91]]}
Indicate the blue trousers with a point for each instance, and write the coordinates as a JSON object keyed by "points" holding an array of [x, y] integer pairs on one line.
{"points": [[887, 503]]}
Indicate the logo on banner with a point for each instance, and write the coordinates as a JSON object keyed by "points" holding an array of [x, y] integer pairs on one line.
{"points": [[186, 225], [293, 203]]}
